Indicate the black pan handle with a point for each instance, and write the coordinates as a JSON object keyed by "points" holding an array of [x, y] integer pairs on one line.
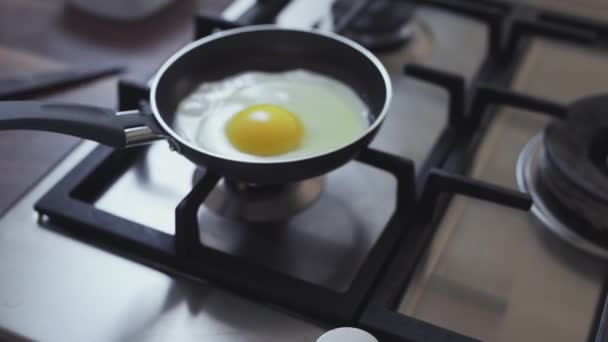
{"points": [[94, 123]]}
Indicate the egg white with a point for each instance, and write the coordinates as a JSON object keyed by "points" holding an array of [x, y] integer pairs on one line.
{"points": [[331, 112]]}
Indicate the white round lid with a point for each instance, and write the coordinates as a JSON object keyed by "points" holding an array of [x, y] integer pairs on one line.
{"points": [[347, 334]]}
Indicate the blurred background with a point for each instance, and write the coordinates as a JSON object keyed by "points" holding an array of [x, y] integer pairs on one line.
{"points": [[54, 35]]}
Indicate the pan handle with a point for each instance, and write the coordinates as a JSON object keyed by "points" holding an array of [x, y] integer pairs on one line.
{"points": [[103, 125]]}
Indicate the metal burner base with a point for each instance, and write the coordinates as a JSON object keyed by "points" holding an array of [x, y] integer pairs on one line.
{"points": [[527, 180], [269, 203]]}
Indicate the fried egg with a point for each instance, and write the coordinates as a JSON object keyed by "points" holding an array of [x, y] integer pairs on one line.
{"points": [[261, 116]]}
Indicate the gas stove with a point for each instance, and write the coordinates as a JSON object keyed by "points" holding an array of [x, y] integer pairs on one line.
{"points": [[478, 212]]}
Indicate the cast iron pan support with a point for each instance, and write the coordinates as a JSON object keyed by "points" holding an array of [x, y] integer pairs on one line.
{"points": [[486, 96], [483, 101], [530, 26], [454, 84], [491, 13], [456, 88], [440, 181], [380, 315], [269, 285], [186, 214], [510, 23], [524, 22]]}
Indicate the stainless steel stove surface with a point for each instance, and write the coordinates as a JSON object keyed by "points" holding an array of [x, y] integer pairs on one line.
{"points": [[491, 273], [500, 274]]}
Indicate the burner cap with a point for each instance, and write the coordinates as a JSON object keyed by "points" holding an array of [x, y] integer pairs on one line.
{"points": [[578, 146], [574, 166], [384, 25]]}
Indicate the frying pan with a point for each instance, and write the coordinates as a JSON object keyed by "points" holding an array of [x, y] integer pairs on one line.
{"points": [[220, 55]]}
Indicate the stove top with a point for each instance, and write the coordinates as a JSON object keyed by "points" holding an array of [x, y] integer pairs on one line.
{"points": [[439, 231]]}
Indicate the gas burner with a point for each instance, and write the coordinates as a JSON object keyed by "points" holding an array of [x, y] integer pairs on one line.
{"points": [[255, 203], [565, 171], [545, 208], [385, 24]]}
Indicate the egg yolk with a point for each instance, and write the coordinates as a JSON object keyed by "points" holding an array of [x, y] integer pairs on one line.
{"points": [[265, 130]]}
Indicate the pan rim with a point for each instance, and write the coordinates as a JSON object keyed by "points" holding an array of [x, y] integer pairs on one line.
{"points": [[218, 35]]}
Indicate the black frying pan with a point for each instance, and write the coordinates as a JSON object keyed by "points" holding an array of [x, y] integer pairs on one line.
{"points": [[264, 48]]}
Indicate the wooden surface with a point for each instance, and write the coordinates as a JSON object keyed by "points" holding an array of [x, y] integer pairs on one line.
{"points": [[38, 35]]}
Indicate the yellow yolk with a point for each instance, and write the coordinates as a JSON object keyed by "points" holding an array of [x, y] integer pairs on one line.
{"points": [[265, 130]]}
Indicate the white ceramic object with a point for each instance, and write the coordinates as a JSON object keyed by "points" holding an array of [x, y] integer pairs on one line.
{"points": [[121, 9], [347, 335]]}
